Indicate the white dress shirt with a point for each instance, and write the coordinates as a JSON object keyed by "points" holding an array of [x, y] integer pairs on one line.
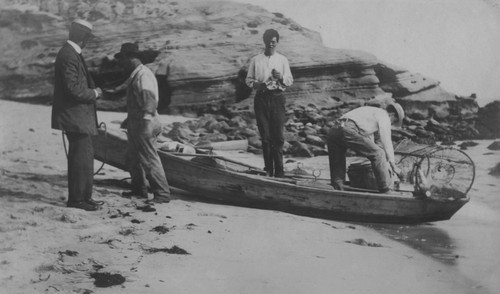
{"points": [[260, 71]]}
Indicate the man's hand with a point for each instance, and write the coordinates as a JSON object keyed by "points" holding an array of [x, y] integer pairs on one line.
{"points": [[276, 74], [396, 170], [99, 92]]}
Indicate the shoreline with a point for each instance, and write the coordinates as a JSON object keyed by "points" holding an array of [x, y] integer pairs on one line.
{"points": [[47, 247]]}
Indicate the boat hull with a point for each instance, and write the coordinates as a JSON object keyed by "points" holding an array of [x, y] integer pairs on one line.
{"points": [[298, 196]]}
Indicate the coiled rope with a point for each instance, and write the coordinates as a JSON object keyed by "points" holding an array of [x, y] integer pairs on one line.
{"points": [[103, 125]]}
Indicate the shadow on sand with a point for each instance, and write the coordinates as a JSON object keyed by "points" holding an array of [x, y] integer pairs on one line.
{"points": [[426, 238]]}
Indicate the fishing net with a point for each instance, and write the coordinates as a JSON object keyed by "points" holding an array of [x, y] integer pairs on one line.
{"points": [[439, 172]]}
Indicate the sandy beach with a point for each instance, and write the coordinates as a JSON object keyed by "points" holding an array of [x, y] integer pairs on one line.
{"points": [[186, 246]]}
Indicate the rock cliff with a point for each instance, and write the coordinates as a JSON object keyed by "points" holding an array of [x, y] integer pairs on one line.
{"points": [[199, 51]]}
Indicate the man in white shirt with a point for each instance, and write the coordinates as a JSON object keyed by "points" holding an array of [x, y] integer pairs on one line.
{"points": [[143, 127], [269, 74], [355, 130]]}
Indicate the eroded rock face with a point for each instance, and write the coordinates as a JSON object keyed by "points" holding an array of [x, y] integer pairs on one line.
{"points": [[488, 122], [199, 51], [202, 49]]}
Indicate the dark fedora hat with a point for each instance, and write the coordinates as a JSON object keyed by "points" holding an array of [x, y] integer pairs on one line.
{"points": [[128, 49]]}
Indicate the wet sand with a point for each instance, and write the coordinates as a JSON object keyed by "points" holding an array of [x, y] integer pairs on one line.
{"points": [[469, 243], [186, 246]]}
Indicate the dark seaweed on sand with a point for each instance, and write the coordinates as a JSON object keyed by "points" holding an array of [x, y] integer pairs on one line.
{"points": [[107, 280], [160, 229], [173, 250]]}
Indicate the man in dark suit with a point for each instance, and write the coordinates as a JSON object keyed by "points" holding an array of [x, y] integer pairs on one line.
{"points": [[74, 112]]}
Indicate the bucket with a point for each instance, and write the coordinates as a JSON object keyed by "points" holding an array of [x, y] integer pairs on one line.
{"points": [[361, 175]]}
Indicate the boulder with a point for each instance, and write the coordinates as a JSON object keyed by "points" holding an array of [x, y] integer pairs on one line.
{"points": [[255, 142], [211, 137], [494, 146], [495, 171], [315, 140], [488, 121], [299, 149], [238, 122], [318, 151], [182, 133], [467, 144]]}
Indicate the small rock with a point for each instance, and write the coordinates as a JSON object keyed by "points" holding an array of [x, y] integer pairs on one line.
{"points": [[255, 142], [494, 146], [363, 242], [496, 170], [464, 145], [300, 150], [315, 140], [68, 218]]}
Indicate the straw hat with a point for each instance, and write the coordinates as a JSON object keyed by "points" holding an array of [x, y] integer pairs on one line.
{"points": [[82, 25], [395, 107]]}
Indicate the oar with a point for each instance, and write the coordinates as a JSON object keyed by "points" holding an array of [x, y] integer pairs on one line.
{"points": [[253, 168], [218, 157]]}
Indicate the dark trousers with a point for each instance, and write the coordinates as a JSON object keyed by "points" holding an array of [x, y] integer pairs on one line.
{"points": [[269, 110], [80, 167], [340, 138], [143, 160]]}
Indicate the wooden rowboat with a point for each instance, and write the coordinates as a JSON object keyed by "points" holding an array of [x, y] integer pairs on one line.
{"points": [[227, 181]]}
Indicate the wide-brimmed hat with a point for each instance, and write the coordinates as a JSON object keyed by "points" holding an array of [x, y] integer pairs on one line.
{"points": [[399, 111], [128, 49], [82, 25]]}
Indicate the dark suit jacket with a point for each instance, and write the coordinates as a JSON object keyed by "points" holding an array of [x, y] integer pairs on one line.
{"points": [[73, 108]]}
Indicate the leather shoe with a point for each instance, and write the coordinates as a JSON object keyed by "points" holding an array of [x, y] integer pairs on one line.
{"points": [[161, 199], [83, 205], [338, 186], [385, 190], [94, 202]]}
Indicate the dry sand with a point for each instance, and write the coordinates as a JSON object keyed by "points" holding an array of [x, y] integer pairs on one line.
{"points": [[46, 247]]}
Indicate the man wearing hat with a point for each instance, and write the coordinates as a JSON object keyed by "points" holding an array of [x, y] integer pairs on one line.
{"points": [[355, 130], [74, 112], [143, 126]]}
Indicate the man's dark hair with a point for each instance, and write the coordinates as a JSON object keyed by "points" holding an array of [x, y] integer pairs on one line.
{"points": [[392, 109], [270, 34]]}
